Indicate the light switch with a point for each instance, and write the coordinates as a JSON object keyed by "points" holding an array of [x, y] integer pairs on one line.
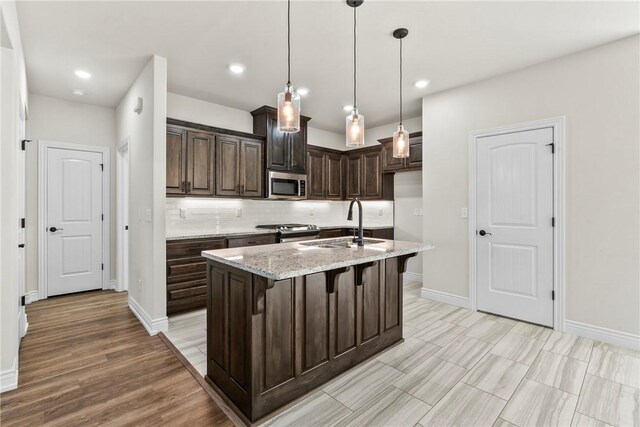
{"points": [[312, 212], [183, 213], [464, 212], [238, 212], [380, 212]]}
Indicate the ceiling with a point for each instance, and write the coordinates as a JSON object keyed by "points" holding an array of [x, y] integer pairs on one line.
{"points": [[449, 43]]}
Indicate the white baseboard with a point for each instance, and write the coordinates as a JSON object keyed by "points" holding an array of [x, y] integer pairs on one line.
{"points": [[414, 277], [32, 296], [153, 326], [623, 339], [445, 297], [9, 378]]}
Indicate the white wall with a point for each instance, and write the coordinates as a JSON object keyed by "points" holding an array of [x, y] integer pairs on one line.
{"points": [[372, 135], [597, 90], [54, 119], [146, 134], [210, 114], [13, 100]]}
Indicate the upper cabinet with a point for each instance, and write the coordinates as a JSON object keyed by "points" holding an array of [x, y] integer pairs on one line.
{"points": [[284, 151], [324, 174], [413, 162], [205, 161], [364, 177]]}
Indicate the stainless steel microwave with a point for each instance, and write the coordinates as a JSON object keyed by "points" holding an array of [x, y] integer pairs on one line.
{"points": [[289, 186]]}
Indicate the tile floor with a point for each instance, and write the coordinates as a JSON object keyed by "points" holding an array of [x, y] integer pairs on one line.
{"points": [[463, 368]]}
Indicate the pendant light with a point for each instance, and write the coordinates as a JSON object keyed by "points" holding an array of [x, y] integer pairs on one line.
{"points": [[355, 121], [288, 101], [401, 136]]}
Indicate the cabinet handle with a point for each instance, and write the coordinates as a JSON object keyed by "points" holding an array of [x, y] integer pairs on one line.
{"points": [[242, 189], [182, 186], [189, 187]]}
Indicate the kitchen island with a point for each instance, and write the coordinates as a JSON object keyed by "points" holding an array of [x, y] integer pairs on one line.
{"points": [[284, 319]]}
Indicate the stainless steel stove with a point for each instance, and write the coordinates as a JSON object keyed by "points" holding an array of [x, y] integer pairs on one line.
{"points": [[293, 232]]}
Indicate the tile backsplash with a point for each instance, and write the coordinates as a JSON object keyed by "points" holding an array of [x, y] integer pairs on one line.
{"points": [[199, 215]]}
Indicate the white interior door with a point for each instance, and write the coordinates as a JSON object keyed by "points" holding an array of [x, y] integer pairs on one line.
{"points": [[74, 221], [514, 236]]}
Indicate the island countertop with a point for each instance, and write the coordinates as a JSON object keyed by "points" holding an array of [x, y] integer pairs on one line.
{"points": [[285, 260]]}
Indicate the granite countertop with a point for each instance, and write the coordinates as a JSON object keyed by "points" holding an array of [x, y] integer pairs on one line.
{"points": [[285, 260], [227, 232]]}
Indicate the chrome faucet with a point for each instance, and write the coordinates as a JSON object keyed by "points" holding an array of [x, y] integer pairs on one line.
{"points": [[360, 239]]}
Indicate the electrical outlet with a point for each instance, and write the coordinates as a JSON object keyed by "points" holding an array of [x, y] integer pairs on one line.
{"points": [[417, 211], [183, 213], [238, 212], [139, 285], [312, 212], [464, 212], [380, 212]]}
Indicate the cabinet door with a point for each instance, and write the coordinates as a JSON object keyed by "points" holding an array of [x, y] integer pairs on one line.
{"points": [[277, 146], [415, 153], [334, 183], [176, 161], [251, 169], [298, 150], [390, 163], [227, 166], [315, 175], [200, 163], [372, 176], [354, 175]]}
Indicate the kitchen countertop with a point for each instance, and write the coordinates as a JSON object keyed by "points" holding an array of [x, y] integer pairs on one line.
{"points": [[286, 260], [227, 232]]}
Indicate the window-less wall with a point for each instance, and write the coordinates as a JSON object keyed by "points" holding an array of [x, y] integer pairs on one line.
{"points": [[597, 90]]}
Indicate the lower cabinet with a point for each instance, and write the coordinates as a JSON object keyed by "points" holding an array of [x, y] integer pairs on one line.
{"points": [[374, 233], [186, 268]]}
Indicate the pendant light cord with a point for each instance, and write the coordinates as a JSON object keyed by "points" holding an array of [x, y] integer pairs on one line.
{"points": [[400, 81], [355, 104], [288, 42]]}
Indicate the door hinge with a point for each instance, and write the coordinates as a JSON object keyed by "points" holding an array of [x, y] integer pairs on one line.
{"points": [[23, 223], [103, 266], [23, 144], [553, 147], [553, 221], [23, 300], [102, 166], [126, 227], [21, 245], [102, 216], [553, 295]]}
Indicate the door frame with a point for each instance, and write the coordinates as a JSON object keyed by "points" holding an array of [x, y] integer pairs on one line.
{"points": [[558, 126], [122, 263], [43, 146]]}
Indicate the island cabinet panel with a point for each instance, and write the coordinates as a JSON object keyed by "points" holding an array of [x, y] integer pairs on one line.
{"points": [[279, 334], [345, 301], [313, 304], [269, 342]]}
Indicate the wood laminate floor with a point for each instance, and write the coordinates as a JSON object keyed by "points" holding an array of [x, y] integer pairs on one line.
{"points": [[86, 361], [462, 368]]}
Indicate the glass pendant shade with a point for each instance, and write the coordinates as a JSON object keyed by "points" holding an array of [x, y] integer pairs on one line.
{"points": [[400, 143], [355, 129], [288, 110]]}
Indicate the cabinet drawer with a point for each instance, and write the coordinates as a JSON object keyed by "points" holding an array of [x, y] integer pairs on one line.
{"points": [[187, 292], [177, 268], [192, 247], [185, 304], [236, 242]]}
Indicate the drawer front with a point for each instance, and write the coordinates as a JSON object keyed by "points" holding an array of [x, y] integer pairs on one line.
{"points": [[178, 268], [185, 304], [236, 242], [187, 292], [327, 234], [192, 247]]}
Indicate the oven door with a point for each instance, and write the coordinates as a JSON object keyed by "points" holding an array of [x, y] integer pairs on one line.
{"points": [[287, 186]]}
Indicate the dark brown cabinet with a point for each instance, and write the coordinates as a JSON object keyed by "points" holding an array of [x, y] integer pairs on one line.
{"points": [[324, 174], [284, 151], [176, 160], [413, 162], [364, 177], [205, 161], [239, 170]]}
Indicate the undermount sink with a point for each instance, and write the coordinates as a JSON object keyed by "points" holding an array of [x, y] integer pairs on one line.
{"points": [[340, 244]]}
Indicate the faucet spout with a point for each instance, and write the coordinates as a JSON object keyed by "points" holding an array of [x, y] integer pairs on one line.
{"points": [[360, 239]]}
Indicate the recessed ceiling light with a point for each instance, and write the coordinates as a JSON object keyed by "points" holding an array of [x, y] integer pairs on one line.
{"points": [[237, 68], [421, 84], [77, 92], [348, 108], [83, 74], [302, 91]]}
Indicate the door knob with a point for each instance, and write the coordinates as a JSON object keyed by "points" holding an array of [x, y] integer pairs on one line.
{"points": [[483, 233], [54, 229]]}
